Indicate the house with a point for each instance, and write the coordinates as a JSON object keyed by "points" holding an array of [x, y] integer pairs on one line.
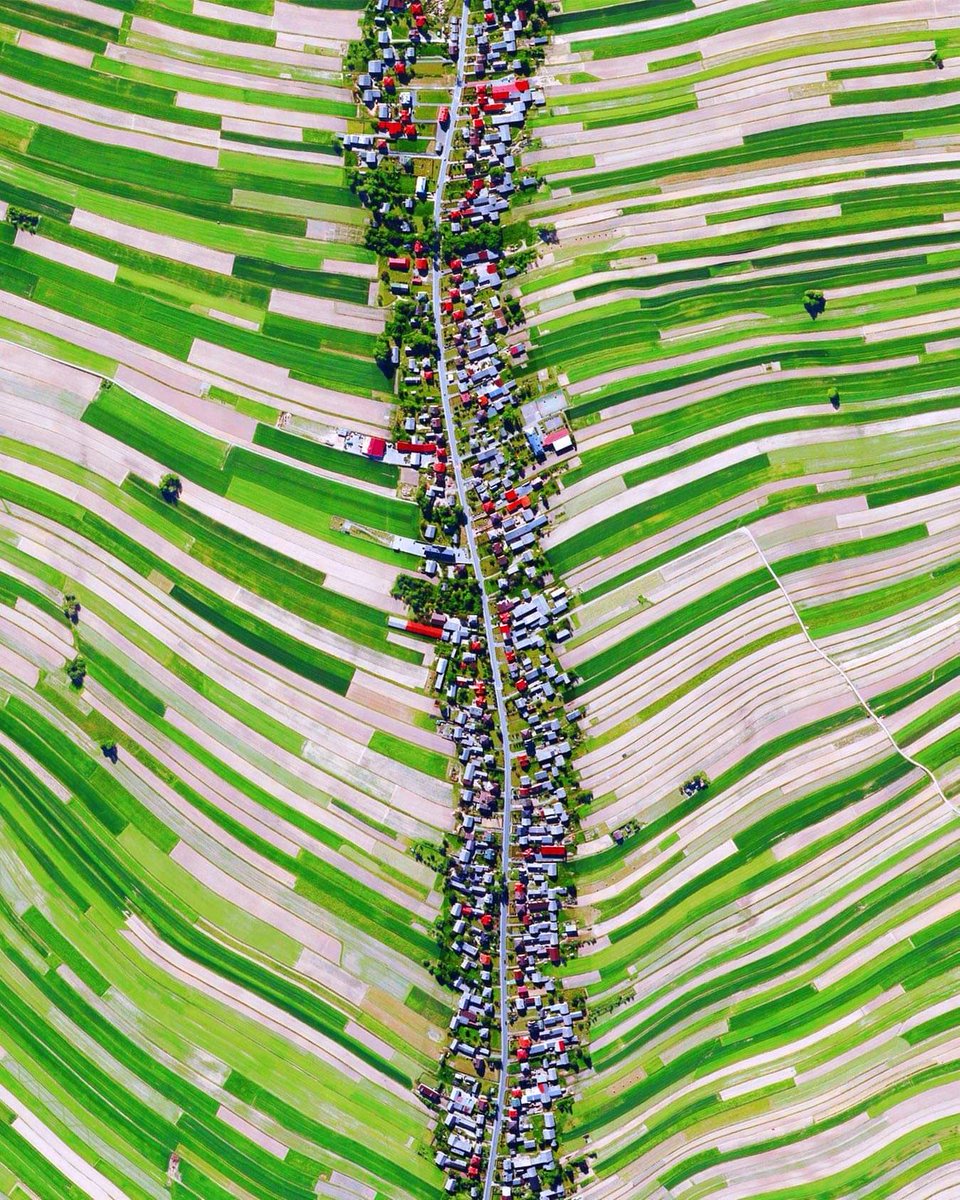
{"points": [[559, 441]]}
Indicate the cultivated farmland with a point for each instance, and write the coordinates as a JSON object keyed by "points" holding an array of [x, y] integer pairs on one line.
{"points": [[195, 227], [626, 358], [750, 306], [220, 934], [219, 775]]}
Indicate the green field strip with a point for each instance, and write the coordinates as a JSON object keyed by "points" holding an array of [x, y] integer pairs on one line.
{"points": [[248, 629], [586, 14], [313, 664], [125, 1063], [51, 186], [876, 604], [153, 321], [78, 83], [218, 467], [298, 279], [770, 965], [151, 712], [678, 33], [759, 921], [616, 532], [109, 871], [752, 868], [354, 466], [71, 28], [597, 865], [427, 761], [789, 952], [258, 1170], [818, 137], [785, 320], [660, 633]]}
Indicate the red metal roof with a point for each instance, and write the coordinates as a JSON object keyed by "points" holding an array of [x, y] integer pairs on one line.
{"points": [[425, 630]]}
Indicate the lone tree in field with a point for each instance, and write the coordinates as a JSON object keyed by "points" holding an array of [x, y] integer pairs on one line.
{"points": [[814, 302], [29, 222], [109, 750], [71, 608], [171, 488], [834, 397], [76, 670]]}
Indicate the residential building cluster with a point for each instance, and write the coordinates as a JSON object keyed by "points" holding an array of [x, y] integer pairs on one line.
{"points": [[514, 1041]]}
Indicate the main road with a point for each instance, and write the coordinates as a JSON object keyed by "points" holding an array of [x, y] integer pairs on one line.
{"points": [[488, 623]]}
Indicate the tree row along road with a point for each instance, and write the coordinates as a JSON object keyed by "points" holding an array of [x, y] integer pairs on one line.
{"points": [[488, 624]]}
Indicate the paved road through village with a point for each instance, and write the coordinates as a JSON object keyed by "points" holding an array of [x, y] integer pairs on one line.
{"points": [[488, 622]]}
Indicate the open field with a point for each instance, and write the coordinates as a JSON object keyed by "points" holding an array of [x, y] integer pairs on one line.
{"points": [[729, 715], [243, 864], [760, 519], [196, 227], [215, 937]]}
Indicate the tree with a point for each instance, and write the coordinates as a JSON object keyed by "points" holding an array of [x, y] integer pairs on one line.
{"points": [[388, 237], [71, 608], [109, 750], [419, 595], [834, 397], [421, 343], [514, 310], [381, 353], [171, 488], [29, 222], [936, 60], [814, 302], [76, 670], [478, 237], [383, 185], [400, 319]]}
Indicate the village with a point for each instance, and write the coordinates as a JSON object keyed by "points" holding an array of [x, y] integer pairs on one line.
{"points": [[479, 585], [484, 479]]}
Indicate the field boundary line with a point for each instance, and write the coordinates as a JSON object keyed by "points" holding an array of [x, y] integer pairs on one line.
{"points": [[841, 671]]}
